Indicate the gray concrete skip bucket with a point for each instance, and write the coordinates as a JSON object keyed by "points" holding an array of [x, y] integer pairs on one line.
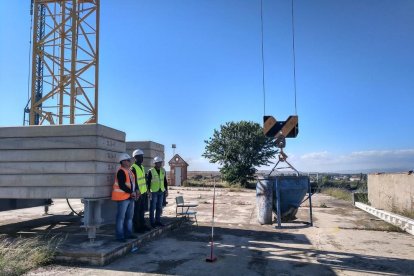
{"points": [[285, 192]]}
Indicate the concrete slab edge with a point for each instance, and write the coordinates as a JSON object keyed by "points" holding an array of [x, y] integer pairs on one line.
{"points": [[404, 223], [103, 259]]}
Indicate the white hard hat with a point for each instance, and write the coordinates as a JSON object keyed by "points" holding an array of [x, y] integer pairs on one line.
{"points": [[123, 156], [157, 159], [137, 152]]}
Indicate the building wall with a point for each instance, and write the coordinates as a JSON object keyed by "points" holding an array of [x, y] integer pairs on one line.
{"points": [[391, 191], [172, 173]]}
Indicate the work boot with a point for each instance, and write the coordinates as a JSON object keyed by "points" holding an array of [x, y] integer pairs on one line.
{"points": [[146, 228], [159, 223], [140, 230], [130, 237]]}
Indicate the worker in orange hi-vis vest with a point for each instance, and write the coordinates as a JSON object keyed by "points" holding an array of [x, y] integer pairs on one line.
{"points": [[124, 193]]}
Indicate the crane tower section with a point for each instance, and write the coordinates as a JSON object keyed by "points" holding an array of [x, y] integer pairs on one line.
{"points": [[65, 59]]}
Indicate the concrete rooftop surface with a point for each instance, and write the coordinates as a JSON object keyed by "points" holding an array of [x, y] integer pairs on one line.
{"points": [[343, 241]]}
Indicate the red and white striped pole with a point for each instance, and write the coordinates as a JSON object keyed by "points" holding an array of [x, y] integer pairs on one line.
{"points": [[212, 258]]}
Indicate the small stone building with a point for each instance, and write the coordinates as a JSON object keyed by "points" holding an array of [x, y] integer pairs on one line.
{"points": [[178, 170]]}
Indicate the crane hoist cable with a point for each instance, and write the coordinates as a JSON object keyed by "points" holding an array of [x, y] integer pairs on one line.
{"points": [[293, 57], [294, 53], [280, 130], [263, 64]]}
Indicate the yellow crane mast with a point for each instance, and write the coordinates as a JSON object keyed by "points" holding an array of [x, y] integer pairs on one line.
{"points": [[65, 62]]}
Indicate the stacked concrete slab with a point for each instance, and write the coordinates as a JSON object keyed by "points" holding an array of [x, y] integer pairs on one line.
{"points": [[391, 191], [150, 149], [71, 161]]}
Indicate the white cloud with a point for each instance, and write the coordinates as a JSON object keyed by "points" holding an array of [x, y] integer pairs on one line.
{"points": [[358, 161], [383, 153], [325, 161], [315, 155]]}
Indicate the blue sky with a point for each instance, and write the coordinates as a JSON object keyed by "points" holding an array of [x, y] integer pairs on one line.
{"points": [[172, 71]]}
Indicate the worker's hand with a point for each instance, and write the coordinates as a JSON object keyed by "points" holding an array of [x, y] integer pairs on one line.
{"points": [[149, 195], [138, 194], [166, 193], [133, 195]]}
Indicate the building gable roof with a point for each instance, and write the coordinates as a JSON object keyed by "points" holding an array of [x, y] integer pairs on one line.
{"points": [[177, 160]]}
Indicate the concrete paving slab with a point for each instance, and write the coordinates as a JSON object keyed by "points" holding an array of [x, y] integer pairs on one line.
{"points": [[58, 167], [58, 155], [68, 142], [74, 247], [62, 130], [57, 180], [55, 192], [78, 249], [151, 149], [144, 145], [344, 241]]}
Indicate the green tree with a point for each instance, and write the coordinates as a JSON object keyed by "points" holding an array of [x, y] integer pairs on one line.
{"points": [[239, 147]]}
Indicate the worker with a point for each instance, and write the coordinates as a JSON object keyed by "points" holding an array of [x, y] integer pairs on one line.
{"points": [[157, 181], [142, 196], [124, 193]]}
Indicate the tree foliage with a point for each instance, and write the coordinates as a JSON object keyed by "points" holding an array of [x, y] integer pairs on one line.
{"points": [[239, 147]]}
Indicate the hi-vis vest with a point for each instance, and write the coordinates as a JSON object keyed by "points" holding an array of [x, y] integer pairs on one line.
{"points": [[157, 181], [142, 185], [117, 193]]}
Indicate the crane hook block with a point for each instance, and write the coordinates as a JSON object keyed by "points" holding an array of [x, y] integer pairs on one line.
{"points": [[288, 128]]}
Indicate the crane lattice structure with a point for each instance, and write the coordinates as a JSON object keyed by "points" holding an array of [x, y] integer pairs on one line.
{"points": [[64, 71]]}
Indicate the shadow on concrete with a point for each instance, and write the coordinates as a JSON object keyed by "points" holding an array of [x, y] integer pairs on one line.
{"points": [[42, 226], [297, 224], [250, 252], [245, 249], [74, 246]]}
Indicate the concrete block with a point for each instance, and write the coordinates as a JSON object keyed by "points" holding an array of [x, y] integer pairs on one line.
{"points": [[69, 142], [71, 161], [391, 191], [55, 192], [150, 154], [151, 149], [62, 131], [76, 249], [404, 223], [58, 155], [57, 167], [144, 145]]}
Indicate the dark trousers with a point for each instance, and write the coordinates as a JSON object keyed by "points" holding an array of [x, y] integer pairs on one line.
{"points": [[139, 212], [156, 207], [164, 202]]}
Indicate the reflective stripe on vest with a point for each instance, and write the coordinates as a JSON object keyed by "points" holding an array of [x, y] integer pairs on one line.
{"points": [[140, 171], [157, 181], [117, 193]]}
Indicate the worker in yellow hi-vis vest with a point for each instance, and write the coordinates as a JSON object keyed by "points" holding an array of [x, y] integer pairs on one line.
{"points": [[142, 195], [157, 182]]}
